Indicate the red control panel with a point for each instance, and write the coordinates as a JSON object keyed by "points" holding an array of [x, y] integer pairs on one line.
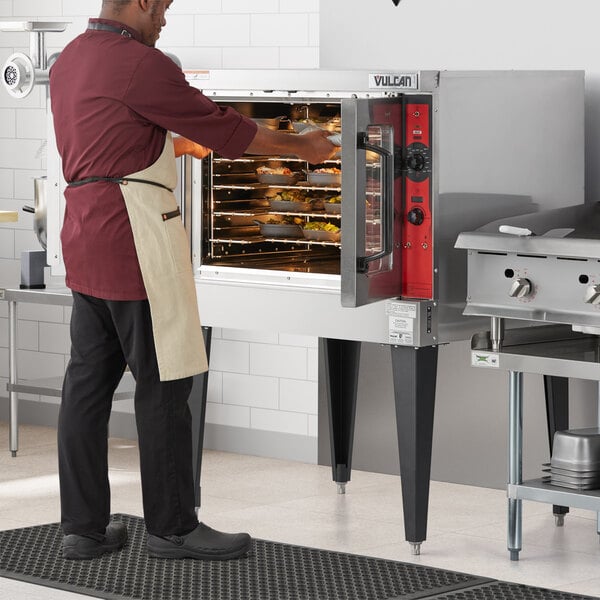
{"points": [[416, 236], [412, 256]]}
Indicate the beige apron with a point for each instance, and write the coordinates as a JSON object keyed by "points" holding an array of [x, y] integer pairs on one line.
{"points": [[164, 256]]}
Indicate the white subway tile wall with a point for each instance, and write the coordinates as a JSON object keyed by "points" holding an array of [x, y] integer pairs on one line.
{"points": [[279, 421], [258, 380]]}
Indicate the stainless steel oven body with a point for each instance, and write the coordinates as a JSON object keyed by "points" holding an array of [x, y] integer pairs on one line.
{"points": [[424, 156]]}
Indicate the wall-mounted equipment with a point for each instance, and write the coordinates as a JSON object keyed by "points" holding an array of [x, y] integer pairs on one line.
{"points": [[21, 72]]}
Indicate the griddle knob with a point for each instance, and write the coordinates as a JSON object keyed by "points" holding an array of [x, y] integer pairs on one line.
{"points": [[592, 294], [520, 288]]}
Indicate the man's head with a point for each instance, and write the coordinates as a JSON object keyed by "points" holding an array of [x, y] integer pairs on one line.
{"points": [[146, 16]]}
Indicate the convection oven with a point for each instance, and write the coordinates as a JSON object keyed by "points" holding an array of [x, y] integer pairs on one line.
{"points": [[361, 247]]}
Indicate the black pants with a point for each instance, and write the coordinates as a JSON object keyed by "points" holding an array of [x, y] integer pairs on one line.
{"points": [[105, 337]]}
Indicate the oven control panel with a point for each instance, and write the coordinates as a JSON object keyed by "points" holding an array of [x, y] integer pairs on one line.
{"points": [[417, 242]]}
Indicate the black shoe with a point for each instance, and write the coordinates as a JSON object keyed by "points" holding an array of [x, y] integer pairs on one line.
{"points": [[203, 543], [84, 547]]}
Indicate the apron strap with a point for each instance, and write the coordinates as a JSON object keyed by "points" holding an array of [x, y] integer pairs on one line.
{"points": [[119, 180]]}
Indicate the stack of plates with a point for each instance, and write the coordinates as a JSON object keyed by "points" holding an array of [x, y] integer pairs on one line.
{"points": [[575, 462]]}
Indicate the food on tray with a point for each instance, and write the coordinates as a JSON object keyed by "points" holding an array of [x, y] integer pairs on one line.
{"points": [[274, 171], [287, 220], [290, 196], [320, 226], [328, 171], [333, 200]]}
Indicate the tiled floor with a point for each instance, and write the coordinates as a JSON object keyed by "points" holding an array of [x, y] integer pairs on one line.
{"points": [[298, 503]]}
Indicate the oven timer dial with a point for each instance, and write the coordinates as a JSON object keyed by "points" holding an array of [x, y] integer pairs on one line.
{"points": [[592, 294], [520, 288], [416, 161]]}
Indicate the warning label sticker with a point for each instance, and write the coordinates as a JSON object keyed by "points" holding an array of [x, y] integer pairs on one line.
{"points": [[401, 309], [401, 330]]}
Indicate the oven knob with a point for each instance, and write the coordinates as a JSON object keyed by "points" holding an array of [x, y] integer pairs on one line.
{"points": [[520, 288], [416, 162], [416, 216], [592, 294]]}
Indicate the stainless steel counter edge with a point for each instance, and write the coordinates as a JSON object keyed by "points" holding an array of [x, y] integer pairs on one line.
{"points": [[505, 244], [56, 296]]}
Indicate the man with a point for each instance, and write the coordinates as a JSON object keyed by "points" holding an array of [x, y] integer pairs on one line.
{"points": [[114, 100]]}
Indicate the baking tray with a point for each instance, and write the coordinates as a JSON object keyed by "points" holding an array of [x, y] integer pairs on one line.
{"points": [[321, 236], [288, 206], [333, 208], [280, 230], [276, 179], [326, 179]]}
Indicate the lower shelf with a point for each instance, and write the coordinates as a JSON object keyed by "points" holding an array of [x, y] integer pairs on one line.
{"points": [[52, 386], [538, 491]]}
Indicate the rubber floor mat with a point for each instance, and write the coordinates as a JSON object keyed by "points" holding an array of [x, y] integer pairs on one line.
{"points": [[272, 571], [501, 590]]}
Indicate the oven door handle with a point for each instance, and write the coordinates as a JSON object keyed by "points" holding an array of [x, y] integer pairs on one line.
{"points": [[387, 203]]}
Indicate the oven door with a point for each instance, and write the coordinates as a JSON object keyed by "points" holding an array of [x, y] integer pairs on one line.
{"points": [[372, 205]]}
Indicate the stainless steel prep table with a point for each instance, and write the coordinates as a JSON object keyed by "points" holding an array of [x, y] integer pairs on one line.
{"points": [[46, 387], [549, 350]]}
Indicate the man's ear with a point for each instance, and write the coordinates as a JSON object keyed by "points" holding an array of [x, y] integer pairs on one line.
{"points": [[143, 4]]}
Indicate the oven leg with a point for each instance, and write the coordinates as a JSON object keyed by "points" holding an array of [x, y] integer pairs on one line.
{"points": [[556, 390], [342, 359], [197, 403], [415, 372], [515, 461]]}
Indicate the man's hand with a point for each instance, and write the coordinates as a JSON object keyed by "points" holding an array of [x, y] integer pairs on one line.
{"points": [[317, 147], [184, 146]]}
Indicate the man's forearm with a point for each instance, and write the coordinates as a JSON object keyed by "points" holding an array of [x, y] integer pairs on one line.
{"points": [[313, 147], [267, 141]]}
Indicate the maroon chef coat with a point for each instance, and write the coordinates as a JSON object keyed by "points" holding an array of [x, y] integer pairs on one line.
{"points": [[113, 100]]}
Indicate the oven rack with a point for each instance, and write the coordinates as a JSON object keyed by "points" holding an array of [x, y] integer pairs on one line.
{"points": [[283, 158], [368, 221], [259, 239], [320, 213], [243, 212], [264, 186], [254, 213]]}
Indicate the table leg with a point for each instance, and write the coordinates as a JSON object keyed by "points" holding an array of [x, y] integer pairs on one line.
{"points": [[12, 378], [515, 461]]}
